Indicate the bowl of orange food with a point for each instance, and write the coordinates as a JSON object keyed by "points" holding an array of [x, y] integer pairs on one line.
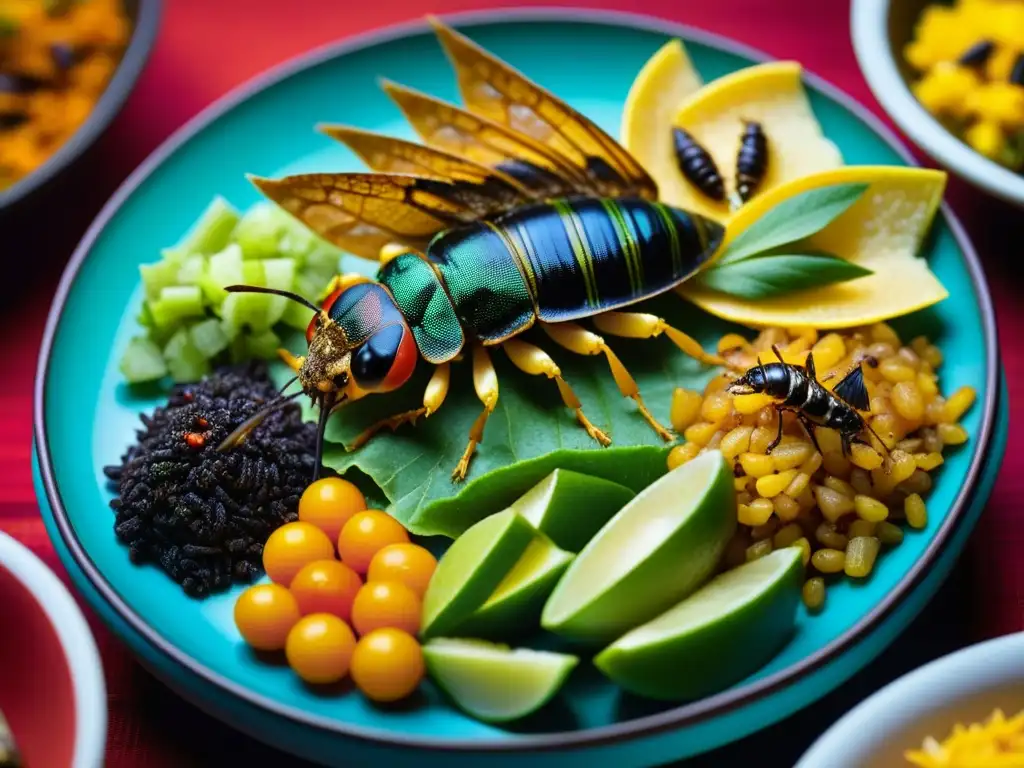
{"points": [[950, 74], [66, 68]]}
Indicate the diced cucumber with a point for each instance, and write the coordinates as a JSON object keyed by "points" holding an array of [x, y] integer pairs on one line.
{"points": [[177, 302], [255, 312], [212, 231], [253, 273], [208, 337], [156, 277], [185, 362], [279, 273], [191, 271], [264, 345], [223, 268], [142, 361], [311, 286], [296, 316], [145, 317], [323, 258], [258, 231]]}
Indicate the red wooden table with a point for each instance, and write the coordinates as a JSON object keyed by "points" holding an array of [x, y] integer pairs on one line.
{"points": [[205, 48]]}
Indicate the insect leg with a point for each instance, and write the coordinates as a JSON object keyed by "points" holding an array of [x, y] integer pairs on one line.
{"points": [[808, 426], [578, 339], [433, 397], [536, 362], [778, 438], [485, 382], [291, 360], [636, 325]]}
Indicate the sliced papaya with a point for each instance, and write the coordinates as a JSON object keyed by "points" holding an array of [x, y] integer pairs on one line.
{"points": [[771, 94], [882, 231], [663, 83]]}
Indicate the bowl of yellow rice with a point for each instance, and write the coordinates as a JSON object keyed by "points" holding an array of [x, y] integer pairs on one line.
{"points": [[66, 68], [964, 710], [950, 74]]}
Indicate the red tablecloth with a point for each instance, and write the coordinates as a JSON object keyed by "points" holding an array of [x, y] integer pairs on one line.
{"points": [[205, 48]]}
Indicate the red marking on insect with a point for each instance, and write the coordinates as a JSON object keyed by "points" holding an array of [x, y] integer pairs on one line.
{"points": [[404, 364]]}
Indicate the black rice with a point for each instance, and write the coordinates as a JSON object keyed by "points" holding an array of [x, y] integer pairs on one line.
{"points": [[203, 515]]}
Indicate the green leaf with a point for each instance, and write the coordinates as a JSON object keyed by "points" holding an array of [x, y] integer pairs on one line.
{"points": [[793, 219], [769, 276], [530, 432]]}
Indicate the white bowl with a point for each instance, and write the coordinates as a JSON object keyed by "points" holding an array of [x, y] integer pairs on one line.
{"points": [[879, 29], [60, 718], [962, 687]]}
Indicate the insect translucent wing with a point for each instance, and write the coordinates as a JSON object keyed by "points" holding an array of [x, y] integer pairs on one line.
{"points": [[363, 212], [483, 189], [459, 132], [493, 89], [852, 389]]}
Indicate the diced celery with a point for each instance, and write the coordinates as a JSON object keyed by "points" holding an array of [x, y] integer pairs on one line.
{"points": [[223, 268], [191, 271], [255, 312], [258, 231], [212, 230], [142, 361], [157, 276], [230, 330], [208, 337], [323, 258], [264, 345], [296, 316], [145, 317], [177, 302], [311, 286], [279, 273], [253, 273], [185, 362]]}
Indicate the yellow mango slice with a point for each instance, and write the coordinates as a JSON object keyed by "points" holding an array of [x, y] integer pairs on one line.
{"points": [[665, 81], [771, 94], [882, 231]]}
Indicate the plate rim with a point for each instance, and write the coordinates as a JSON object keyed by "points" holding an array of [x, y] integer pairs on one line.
{"points": [[685, 715]]}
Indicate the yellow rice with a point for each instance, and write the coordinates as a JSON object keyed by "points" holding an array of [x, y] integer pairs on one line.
{"points": [[845, 511], [997, 743]]}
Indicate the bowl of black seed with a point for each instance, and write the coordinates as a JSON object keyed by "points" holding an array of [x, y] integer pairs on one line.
{"points": [[200, 514]]}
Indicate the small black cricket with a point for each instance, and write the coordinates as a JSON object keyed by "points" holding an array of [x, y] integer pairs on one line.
{"points": [[799, 391]]}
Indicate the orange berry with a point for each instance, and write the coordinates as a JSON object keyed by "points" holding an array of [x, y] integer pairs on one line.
{"points": [[291, 547], [329, 503], [408, 563], [326, 586], [365, 534], [265, 614], [387, 665], [381, 604]]}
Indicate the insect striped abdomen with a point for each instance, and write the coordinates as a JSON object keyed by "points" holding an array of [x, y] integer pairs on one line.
{"points": [[589, 255]]}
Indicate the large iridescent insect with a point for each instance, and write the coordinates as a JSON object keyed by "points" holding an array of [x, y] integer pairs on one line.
{"points": [[518, 211]]}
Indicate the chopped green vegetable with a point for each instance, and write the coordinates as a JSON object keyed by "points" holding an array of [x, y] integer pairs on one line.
{"points": [[208, 337], [156, 277], [184, 360], [212, 231], [177, 303], [224, 268], [142, 361], [259, 231]]}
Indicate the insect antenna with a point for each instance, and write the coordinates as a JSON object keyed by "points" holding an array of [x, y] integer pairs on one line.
{"points": [[326, 407], [881, 442], [255, 420], [274, 291]]}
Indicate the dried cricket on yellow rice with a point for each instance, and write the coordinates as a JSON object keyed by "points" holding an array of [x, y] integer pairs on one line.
{"points": [[841, 510]]}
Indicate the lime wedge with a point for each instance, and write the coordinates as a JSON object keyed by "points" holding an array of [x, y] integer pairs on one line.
{"points": [[571, 507], [496, 683], [656, 550], [472, 568], [515, 606], [716, 637]]}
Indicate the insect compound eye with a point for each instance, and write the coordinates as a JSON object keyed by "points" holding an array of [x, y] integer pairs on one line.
{"points": [[372, 362]]}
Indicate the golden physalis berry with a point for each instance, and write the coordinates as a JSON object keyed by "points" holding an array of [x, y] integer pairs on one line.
{"points": [[293, 546], [329, 503], [365, 534], [408, 563], [319, 648], [326, 586], [381, 604], [387, 665], [265, 614]]}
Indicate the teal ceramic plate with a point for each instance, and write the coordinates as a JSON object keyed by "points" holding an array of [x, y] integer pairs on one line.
{"points": [[85, 417]]}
